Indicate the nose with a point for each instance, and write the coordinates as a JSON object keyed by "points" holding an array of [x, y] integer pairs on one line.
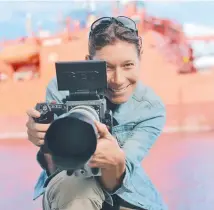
{"points": [[117, 78]]}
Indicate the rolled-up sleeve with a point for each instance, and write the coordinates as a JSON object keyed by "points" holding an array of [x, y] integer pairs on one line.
{"points": [[140, 141]]}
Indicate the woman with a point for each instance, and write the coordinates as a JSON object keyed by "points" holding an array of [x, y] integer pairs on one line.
{"points": [[139, 119]]}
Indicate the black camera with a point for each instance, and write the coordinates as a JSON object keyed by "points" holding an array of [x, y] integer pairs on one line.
{"points": [[72, 136]]}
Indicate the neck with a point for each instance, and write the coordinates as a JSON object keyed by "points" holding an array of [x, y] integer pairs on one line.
{"points": [[111, 106]]}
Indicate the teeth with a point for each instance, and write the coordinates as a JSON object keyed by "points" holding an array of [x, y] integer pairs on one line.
{"points": [[118, 90]]}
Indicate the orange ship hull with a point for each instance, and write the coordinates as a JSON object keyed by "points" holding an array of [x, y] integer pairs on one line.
{"points": [[189, 98]]}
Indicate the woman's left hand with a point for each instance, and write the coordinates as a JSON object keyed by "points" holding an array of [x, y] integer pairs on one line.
{"points": [[108, 153]]}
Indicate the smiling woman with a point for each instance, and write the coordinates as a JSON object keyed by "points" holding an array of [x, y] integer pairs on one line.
{"points": [[118, 153], [122, 68], [122, 73]]}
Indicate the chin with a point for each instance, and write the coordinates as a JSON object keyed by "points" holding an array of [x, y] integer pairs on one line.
{"points": [[119, 100]]}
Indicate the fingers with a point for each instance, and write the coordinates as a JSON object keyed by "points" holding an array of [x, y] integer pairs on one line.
{"points": [[101, 128], [36, 132], [35, 141], [32, 125], [37, 138], [97, 163], [32, 137], [33, 113]]}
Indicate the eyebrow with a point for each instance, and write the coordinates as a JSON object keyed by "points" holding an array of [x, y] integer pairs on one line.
{"points": [[124, 62], [128, 61]]}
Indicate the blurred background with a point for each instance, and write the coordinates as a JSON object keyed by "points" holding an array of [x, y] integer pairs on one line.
{"points": [[178, 63]]}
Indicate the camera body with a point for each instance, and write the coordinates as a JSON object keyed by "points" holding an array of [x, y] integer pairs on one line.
{"points": [[51, 111], [86, 82]]}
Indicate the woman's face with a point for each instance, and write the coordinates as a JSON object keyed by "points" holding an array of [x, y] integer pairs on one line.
{"points": [[123, 68]]}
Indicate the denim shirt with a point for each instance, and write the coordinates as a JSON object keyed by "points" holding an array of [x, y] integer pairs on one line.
{"points": [[140, 122]]}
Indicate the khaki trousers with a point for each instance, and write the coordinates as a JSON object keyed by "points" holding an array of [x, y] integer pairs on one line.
{"points": [[73, 193]]}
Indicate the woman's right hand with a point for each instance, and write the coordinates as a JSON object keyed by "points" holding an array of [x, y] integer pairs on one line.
{"points": [[36, 132]]}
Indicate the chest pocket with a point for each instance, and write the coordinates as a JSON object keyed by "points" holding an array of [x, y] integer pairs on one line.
{"points": [[123, 132]]}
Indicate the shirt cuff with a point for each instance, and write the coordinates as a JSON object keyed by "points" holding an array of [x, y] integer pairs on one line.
{"points": [[42, 162], [123, 187]]}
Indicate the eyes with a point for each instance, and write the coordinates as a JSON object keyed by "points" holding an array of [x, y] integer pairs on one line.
{"points": [[128, 65], [125, 66]]}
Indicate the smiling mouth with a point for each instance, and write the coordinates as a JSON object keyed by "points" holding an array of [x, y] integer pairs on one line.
{"points": [[118, 90]]}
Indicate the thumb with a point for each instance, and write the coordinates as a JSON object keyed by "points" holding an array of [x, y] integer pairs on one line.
{"points": [[33, 113], [101, 128]]}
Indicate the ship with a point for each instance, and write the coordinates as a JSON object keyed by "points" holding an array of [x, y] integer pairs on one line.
{"points": [[177, 62], [173, 65]]}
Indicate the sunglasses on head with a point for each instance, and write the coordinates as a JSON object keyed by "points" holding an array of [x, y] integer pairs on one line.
{"points": [[104, 22]]}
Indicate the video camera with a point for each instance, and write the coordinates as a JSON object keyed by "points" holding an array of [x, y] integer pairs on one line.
{"points": [[72, 136]]}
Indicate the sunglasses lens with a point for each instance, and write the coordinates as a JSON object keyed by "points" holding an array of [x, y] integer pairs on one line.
{"points": [[104, 22], [128, 23], [101, 24]]}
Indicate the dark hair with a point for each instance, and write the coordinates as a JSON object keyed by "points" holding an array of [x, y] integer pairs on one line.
{"points": [[110, 35]]}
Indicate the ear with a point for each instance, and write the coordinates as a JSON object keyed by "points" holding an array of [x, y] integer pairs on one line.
{"points": [[88, 57]]}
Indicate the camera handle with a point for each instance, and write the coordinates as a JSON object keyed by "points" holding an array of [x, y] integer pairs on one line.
{"points": [[46, 117]]}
